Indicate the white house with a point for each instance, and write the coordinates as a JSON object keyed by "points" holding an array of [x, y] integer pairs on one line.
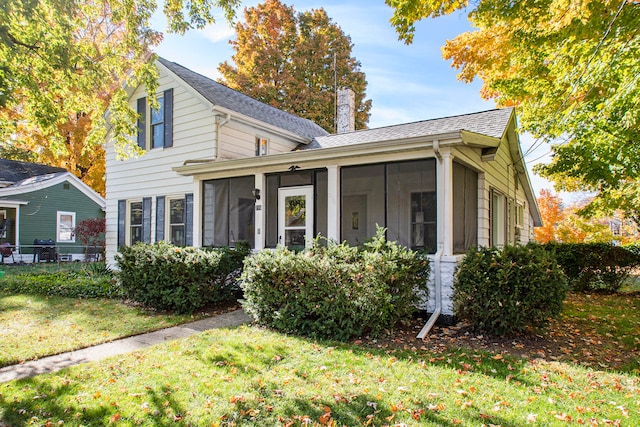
{"points": [[221, 167]]}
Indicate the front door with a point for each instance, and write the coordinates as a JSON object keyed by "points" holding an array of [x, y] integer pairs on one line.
{"points": [[295, 216]]}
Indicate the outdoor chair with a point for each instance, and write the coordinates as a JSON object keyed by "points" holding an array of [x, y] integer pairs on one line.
{"points": [[6, 251]]}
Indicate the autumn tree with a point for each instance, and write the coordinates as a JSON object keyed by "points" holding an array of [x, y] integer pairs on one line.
{"points": [[572, 70], [551, 212], [294, 61], [64, 58]]}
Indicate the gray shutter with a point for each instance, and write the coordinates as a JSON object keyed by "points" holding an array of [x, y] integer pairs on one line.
{"points": [[188, 219], [122, 222], [146, 219], [168, 118], [160, 218], [142, 123]]}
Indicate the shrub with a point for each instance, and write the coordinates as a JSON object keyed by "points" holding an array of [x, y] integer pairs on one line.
{"points": [[179, 279], [595, 267], [504, 291], [334, 291], [63, 283]]}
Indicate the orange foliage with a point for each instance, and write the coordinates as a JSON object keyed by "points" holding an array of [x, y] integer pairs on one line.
{"points": [[551, 211]]}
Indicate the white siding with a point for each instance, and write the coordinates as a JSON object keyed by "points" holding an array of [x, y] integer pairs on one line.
{"points": [[151, 175], [238, 141]]}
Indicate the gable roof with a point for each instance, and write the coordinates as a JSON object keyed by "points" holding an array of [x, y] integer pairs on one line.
{"points": [[223, 96], [13, 171], [492, 123], [40, 182]]}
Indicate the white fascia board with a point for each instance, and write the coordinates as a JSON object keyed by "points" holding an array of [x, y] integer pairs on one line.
{"points": [[326, 155], [12, 203], [473, 139]]}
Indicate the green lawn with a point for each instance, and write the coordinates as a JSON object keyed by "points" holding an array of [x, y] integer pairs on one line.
{"points": [[33, 326], [254, 377], [251, 376]]}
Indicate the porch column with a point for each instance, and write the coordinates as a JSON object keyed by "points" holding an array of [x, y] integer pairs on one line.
{"points": [[197, 213], [259, 213], [445, 203], [333, 203]]}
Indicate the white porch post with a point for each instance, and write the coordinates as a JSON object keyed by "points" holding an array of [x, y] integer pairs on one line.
{"points": [[17, 229], [259, 213], [333, 203], [197, 213], [445, 203]]}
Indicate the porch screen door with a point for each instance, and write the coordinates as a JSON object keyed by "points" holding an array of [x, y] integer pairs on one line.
{"points": [[295, 216]]}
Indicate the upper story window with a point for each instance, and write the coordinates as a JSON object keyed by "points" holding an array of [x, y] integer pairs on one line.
{"points": [[262, 146], [65, 225], [155, 125]]}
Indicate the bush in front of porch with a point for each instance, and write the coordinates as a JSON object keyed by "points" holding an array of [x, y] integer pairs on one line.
{"points": [[179, 279], [507, 290], [334, 291]]}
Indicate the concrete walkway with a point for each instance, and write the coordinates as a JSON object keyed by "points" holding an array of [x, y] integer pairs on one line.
{"points": [[125, 345]]}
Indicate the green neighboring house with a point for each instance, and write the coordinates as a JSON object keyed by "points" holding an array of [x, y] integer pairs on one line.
{"points": [[43, 203]]}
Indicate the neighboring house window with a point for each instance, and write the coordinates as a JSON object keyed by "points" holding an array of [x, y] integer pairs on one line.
{"points": [[498, 217], [177, 221], [66, 224], [135, 222], [261, 146], [155, 125]]}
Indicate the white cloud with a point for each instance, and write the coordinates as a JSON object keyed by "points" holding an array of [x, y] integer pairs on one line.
{"points": [[220, 31]]}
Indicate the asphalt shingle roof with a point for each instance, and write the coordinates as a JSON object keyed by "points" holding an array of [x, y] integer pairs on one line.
{"points": [[14, 171], [491, 123], [219, 94]]}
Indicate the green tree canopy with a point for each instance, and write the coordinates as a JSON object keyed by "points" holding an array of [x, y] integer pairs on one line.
{"points": [[61, 58], [572, 70], [293, 60]]}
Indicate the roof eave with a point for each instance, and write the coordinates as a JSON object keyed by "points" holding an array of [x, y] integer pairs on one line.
{"points": [[271, 128], [325, 154]]}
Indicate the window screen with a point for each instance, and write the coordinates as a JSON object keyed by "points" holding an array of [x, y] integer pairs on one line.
{"points": [[228, 215], [412, 205], [465, 208], [363, 202]]}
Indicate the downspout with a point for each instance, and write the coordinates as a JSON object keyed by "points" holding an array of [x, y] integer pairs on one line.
{"points": [[437, 258], [219, 126]]}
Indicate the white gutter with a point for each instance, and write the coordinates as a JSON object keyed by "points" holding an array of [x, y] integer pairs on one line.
{"points": [[437, 259], [219, 125]]}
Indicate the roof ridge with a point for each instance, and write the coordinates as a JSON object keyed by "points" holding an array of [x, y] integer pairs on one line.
{"points": [[167, 63]]}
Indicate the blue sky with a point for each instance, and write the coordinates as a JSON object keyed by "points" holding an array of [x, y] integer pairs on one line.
{"points": [[405, 82]]}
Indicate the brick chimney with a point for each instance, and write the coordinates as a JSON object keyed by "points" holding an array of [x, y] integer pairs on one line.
{"points": [[346, 114]]}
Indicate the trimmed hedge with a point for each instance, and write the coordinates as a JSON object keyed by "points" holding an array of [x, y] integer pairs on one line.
{"points": [[64, 284], [178, 279], [334, 291], [506, 291], [595, 267]]}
